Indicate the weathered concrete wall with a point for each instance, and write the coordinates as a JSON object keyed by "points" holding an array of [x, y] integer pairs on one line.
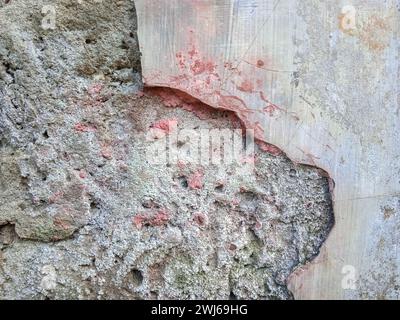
{"points": [[318, 79], [83, 211]]}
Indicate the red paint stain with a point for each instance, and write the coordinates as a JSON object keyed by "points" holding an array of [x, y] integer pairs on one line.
{"points": [[199, 67], [106, 152], [258, 225], [258, 131], [233, 103], [246, 86], [140, 94], [166, 125], [235, 202], [270, 108], [195, 181], [193, 52], [251, 159], [95, 89], [269, 148], [260, 63], [81, 127], [176, 98], [161, 218], [153, 219], [82, 174], [56, 196], [62, 223], [181, 164], [200, 219], [232, 247], [197, 72], [139, 221]]}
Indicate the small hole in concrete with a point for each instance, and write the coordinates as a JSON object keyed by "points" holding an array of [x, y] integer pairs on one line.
{"points": [[183, 181], [7, 234], [93, 205], [137, 277]]}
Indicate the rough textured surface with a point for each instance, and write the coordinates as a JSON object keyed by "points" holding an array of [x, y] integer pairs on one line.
{"points": [[82, 212], [319, 80]]}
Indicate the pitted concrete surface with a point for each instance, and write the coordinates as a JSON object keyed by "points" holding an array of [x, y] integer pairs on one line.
{"points": [[83, 212]]}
